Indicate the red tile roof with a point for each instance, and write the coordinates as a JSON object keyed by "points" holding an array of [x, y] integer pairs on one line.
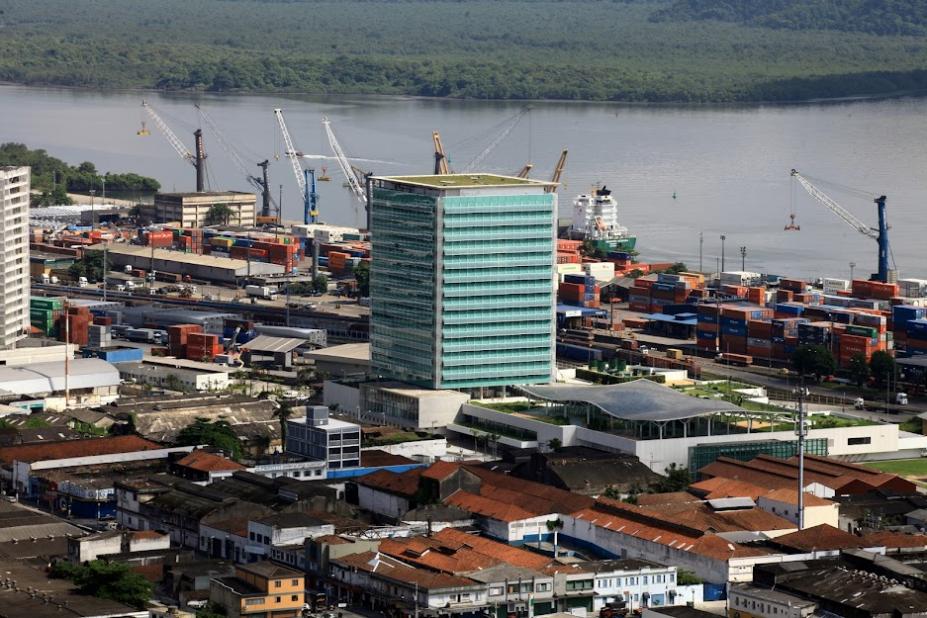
{"points": [[389, 568], [142, 535], [821, 538], [75, 448], [501, 551], [697, 518], [204, 461], [666, 498], [440, 470], [540, 498], [894, 540], [487, 507], [375, 458], [721, 487], [790, 496], [405, 484]]}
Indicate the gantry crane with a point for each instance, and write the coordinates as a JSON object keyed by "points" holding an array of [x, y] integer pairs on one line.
{"points": [[305, 178], [523, 172], [505, 128], [198, 160], [880, 234], [260, 183]]}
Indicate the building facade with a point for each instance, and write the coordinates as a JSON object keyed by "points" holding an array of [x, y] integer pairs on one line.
{"points": [[317, 436], [461, 294], [193, 209], [262, 589], [14, 253]]}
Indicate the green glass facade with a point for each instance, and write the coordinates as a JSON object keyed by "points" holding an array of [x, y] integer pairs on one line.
{"points": [[461, 285]]}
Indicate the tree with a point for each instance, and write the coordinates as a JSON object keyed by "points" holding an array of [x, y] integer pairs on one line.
{"points": [[555, 526], [554, 444], [218, 213], [90, 266], [813, 360], [320, 283], [362, 276], [858, 370], [214, 433], [677, 479], [882, 366], [106, 580], [283, 415]]}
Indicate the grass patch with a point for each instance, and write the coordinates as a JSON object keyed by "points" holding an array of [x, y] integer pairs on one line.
{"points": [[902, 467], [912, 425], [509, 407]]}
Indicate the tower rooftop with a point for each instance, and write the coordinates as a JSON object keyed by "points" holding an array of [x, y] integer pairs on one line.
{"points": [[465, 181]]}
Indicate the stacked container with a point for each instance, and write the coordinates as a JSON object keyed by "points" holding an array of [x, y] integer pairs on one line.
{"points": [[202, 347], [78, 323], [44, 314], [579, 290], [177, 336]]}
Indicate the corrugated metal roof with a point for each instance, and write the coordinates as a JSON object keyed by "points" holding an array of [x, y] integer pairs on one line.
{"points": [[266, 343], [37, 378]]}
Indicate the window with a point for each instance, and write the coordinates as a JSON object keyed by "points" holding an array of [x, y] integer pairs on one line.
{"points": [[259, 601], [278, 599], [645, 580], [543, 587], [277, 583], [295, 597], [495, 591], [294, 582], [251, 535], [860, 440]]}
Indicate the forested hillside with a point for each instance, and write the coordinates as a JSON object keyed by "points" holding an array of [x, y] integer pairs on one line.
{"points": [[505, 49], [883, 17]]}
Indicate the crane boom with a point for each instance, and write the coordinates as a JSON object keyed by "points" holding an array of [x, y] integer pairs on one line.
{"points": [[354, 183], [834, 207], [880, 234], [257, 182], [508, 128], [172, 138], [290, 152], [441, 166], [558, 172]]}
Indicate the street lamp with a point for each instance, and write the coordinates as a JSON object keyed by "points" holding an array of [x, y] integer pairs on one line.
{"points": [[92, 215], [743, 258], [723, 238], [852, 266], [801, 393]]}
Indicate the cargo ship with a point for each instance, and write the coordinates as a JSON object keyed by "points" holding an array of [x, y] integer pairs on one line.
{"points": [[595, 218]]}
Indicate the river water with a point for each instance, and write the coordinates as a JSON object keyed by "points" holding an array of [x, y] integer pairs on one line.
{"points": [[728, 166]]}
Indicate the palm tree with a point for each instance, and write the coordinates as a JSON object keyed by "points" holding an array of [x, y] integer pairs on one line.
{"points": [[219, 213], [283, 414], [555, 525]]}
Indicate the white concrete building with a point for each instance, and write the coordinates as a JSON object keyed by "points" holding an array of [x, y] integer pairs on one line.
{"points": [[14, 253], [784, 503], [282, 529], [319, 437], [748, 600]]}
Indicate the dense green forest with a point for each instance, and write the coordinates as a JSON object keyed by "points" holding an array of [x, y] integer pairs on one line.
{"points": [[886, 17], [617, 50], [53, 178]]}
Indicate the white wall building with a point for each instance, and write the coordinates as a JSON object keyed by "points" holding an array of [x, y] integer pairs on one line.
{"points": [[14, 253], [319, 437]]}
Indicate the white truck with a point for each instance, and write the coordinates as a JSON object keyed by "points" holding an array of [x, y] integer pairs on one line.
{"points": [[261, 291]]}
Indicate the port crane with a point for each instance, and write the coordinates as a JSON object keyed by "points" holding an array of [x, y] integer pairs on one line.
{"points": [[880, 234], [260, 183], [351, 174], [197, 159], [305, 178], [441, 166], [558, 172], [507, 127]]}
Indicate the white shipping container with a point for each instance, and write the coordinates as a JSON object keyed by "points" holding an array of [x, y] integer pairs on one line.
{"points": [[602, 271], [741, 277], [832, 286], [912, 288]]}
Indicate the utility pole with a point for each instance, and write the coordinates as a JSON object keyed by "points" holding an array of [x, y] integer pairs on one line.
{"points": [[802, 392], [92, 213], [67, 355], [723, 238], [104, 272], [852, 266], [701, 246], [743, 258]]}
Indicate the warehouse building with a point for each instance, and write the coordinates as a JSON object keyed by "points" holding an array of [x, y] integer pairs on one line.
{"points": [[193, 209], [204, 267], [91, 382]]}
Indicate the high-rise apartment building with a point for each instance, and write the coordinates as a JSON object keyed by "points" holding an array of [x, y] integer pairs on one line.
{"points": [[14, 254], [461, 280]]}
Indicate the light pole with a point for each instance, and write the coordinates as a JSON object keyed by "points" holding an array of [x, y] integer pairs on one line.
{"points": [[723, 238], [852, 266], [802, 392], [743, 258], [701, 243], [92, 214]]}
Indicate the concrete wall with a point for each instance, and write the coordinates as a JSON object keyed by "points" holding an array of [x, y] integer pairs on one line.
{"points": [[814, 515], [381, 502], [436, 448], [93, 549], [345, 396]]}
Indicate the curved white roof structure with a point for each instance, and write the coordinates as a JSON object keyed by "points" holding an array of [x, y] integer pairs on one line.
{"points": [[640, 400]]}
